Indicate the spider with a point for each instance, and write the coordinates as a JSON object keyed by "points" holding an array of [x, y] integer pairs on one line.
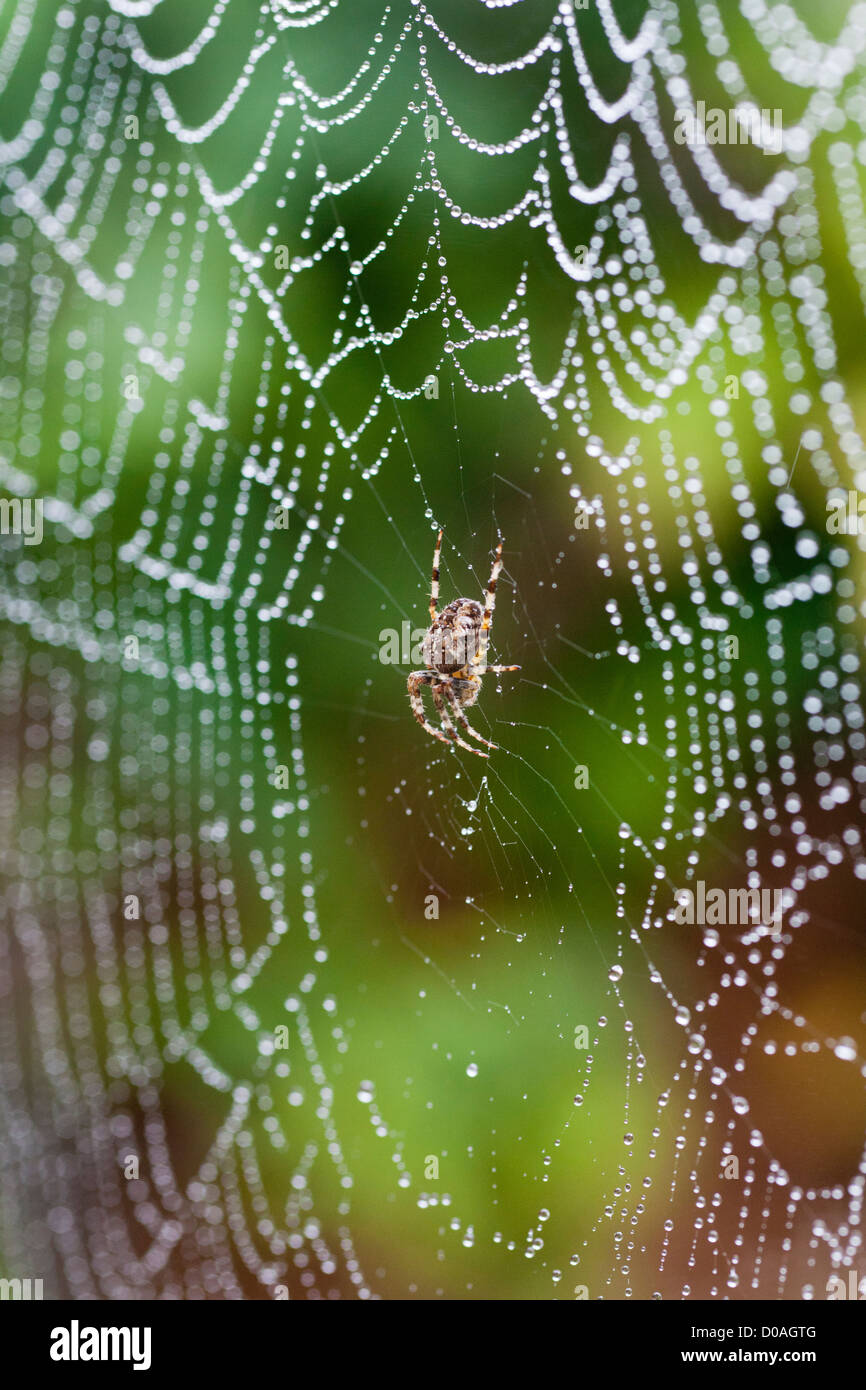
{"points": [[455, 657]]}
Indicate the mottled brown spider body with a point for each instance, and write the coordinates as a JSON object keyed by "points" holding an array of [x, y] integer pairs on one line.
{"points": [[455, 656], [452, 640]]}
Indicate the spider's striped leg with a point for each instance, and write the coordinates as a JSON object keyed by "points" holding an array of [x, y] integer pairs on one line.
{"points": [[434, 587], [464, 722], [489, 605], [439, 702], [497, 669], [415, 682]]}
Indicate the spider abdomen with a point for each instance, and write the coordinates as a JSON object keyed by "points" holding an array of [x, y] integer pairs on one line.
{"points": [[453, 639]]}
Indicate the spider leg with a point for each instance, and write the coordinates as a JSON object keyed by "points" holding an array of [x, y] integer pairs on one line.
{"points": [[467, 673], [439, 702], [415, 682], [489, 605], [464, 722], [434, 587]]}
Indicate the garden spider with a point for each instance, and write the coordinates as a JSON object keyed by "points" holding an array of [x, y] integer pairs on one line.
{"points": [[455, 656]]}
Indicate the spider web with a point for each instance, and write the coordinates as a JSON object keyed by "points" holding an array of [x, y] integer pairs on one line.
{"points": [[287, 288]]}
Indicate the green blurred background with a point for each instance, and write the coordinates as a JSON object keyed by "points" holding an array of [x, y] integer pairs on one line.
{"points": [[411, 1038]]}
